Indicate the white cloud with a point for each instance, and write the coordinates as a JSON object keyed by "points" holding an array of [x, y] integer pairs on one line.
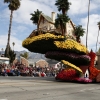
{"points": [[92, 30], [17, 30], [22, 15], [18, 43], [81, 6], [22, 26], [4, 14]]}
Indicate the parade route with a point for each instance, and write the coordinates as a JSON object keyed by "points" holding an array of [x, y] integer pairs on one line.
{"points": [[36, 88]]}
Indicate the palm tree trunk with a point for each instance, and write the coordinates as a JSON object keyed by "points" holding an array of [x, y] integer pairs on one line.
{"points": [[62, 29], [87, 22], [63, 11], [97, 41], [66, 30], [38, 29], [9, 32]]}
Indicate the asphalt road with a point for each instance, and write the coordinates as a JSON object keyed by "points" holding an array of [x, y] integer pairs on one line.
{"points": [[35, 88]]}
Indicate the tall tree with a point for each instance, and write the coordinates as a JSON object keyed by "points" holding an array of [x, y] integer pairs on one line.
{"points": [[35, 17], [97, 35], [12, 5], [61, 21], [62, 5], [79, 31], [88, 22], [11, 55]]}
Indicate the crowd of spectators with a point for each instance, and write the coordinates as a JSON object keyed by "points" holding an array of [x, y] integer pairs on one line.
{"points": [[23, 70]]}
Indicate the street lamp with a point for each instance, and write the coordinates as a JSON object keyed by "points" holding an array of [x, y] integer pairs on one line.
{"points": [[88, 22], [97, 35]]}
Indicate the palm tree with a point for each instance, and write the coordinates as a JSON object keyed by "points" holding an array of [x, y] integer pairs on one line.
{"points": [[79, 31], [13, 45], [61, 21], [12, 5], [88, 22], [63, 5], [97, 35], [35, 17]]}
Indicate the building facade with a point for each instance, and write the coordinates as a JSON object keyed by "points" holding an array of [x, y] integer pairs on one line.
{"points": [[47, 23]]}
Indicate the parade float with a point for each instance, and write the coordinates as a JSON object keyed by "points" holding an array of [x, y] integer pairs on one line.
{"points": [[59, 39], [77, 62]]}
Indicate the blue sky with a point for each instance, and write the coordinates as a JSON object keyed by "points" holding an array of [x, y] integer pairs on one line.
{"points": [[22, 26]]}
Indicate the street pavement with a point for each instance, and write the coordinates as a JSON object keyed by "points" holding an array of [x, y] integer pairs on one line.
{"points": [[45, 88]]}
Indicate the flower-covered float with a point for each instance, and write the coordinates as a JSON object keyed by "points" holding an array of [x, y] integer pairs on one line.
{"points": [[77, 61]]}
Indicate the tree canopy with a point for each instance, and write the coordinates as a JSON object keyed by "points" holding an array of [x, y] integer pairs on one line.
{"points": [[79, 31], [61, 21], [35, 16], [13, 4], [63, 5]]}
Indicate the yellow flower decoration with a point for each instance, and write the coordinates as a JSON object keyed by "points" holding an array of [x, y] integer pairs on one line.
{"points": [[71, 65], [46, 36], [71, 44]]}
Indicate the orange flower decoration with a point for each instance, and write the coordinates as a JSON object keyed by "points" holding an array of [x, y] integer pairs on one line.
{"points": [[93, 71]]}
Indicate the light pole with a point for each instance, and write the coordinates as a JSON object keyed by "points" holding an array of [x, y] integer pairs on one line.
{"points": [[88, 22], [97, 41], [97, 36]]}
